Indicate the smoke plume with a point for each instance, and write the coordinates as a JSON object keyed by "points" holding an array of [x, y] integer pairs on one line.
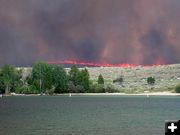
{"points": [[102, 31]]}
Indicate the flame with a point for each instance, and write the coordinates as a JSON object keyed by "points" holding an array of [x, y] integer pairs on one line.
{"points": [[71, 62], [90, 64]]}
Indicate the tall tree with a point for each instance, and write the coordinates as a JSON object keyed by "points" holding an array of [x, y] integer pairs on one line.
{"points": [[73, 74], [60, 79], [100, 79], [42, 72], [8, 75], [83, 79]]}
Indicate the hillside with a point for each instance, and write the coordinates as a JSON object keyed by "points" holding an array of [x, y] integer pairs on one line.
{"points": [[167, 76], [135, 78]]}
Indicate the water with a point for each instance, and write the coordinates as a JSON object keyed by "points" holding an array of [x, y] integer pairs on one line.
{"points": [[87, 115]]}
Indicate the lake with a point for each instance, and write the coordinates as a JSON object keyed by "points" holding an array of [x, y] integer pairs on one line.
{"points": [[87, 115]]}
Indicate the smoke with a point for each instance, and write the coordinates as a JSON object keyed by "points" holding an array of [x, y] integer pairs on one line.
{"points": [[101, 31]]}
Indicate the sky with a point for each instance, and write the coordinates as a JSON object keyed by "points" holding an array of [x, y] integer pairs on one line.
{"points": [[140, 32]]}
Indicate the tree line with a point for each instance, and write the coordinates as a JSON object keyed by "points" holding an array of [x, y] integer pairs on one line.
{"points": [[49, 79], [53, 79]]}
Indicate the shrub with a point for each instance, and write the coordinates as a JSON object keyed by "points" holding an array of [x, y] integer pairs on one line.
{"points": [[110, 89], [119, 80], [97, 88], [26, 89], [79, 89], [177, 89], [151, 80], [100, 88], [50, 91]]}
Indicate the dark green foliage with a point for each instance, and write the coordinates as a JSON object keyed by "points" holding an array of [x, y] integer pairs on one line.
{"points": [[98, 88], [80, 89], [2, 88], [50, 79], [73, 75], [177, 89], [151, 80], [33, 83], [8, 77], [60, 79], [83, 79], [43, 76], [17, 82], [25, 89], [100, 79], [71, 87], [50, 91], [79, 79]]}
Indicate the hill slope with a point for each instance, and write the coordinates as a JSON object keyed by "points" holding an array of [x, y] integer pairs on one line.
{"points": [[167, 76], [135, 78]]}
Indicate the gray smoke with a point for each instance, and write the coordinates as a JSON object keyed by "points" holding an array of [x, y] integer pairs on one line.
{"points": [[110, 31]]}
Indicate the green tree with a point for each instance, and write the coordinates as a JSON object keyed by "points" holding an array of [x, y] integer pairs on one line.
{"points": [[73, 75], [100, 79], [83, 79], [60, 79], [18, 82], [71, 87], [2, 90], [151, 80], [80, 79], [42, 76], [8, 76]]}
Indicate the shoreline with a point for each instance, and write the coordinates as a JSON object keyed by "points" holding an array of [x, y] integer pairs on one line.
{"points": [[123, 94], [102, 94]]}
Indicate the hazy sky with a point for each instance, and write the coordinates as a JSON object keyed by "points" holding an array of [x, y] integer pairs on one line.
{"points": [[105, 31]]}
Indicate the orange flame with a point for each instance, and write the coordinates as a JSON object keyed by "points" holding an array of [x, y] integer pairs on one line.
{"points": [[125, 65]]}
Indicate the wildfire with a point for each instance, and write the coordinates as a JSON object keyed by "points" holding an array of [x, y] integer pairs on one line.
{"points": [[91, 64]]}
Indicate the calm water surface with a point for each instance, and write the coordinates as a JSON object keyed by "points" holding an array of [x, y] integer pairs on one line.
{"points": [[87, 115]]}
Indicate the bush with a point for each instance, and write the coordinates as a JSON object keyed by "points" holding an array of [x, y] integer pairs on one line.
{"points": [[71, 87], [80, 89], [100, 88], [119, 80], [110, 89], [26, 89], [151, 80], [177, 89], [96, 88], [50, 91]]}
